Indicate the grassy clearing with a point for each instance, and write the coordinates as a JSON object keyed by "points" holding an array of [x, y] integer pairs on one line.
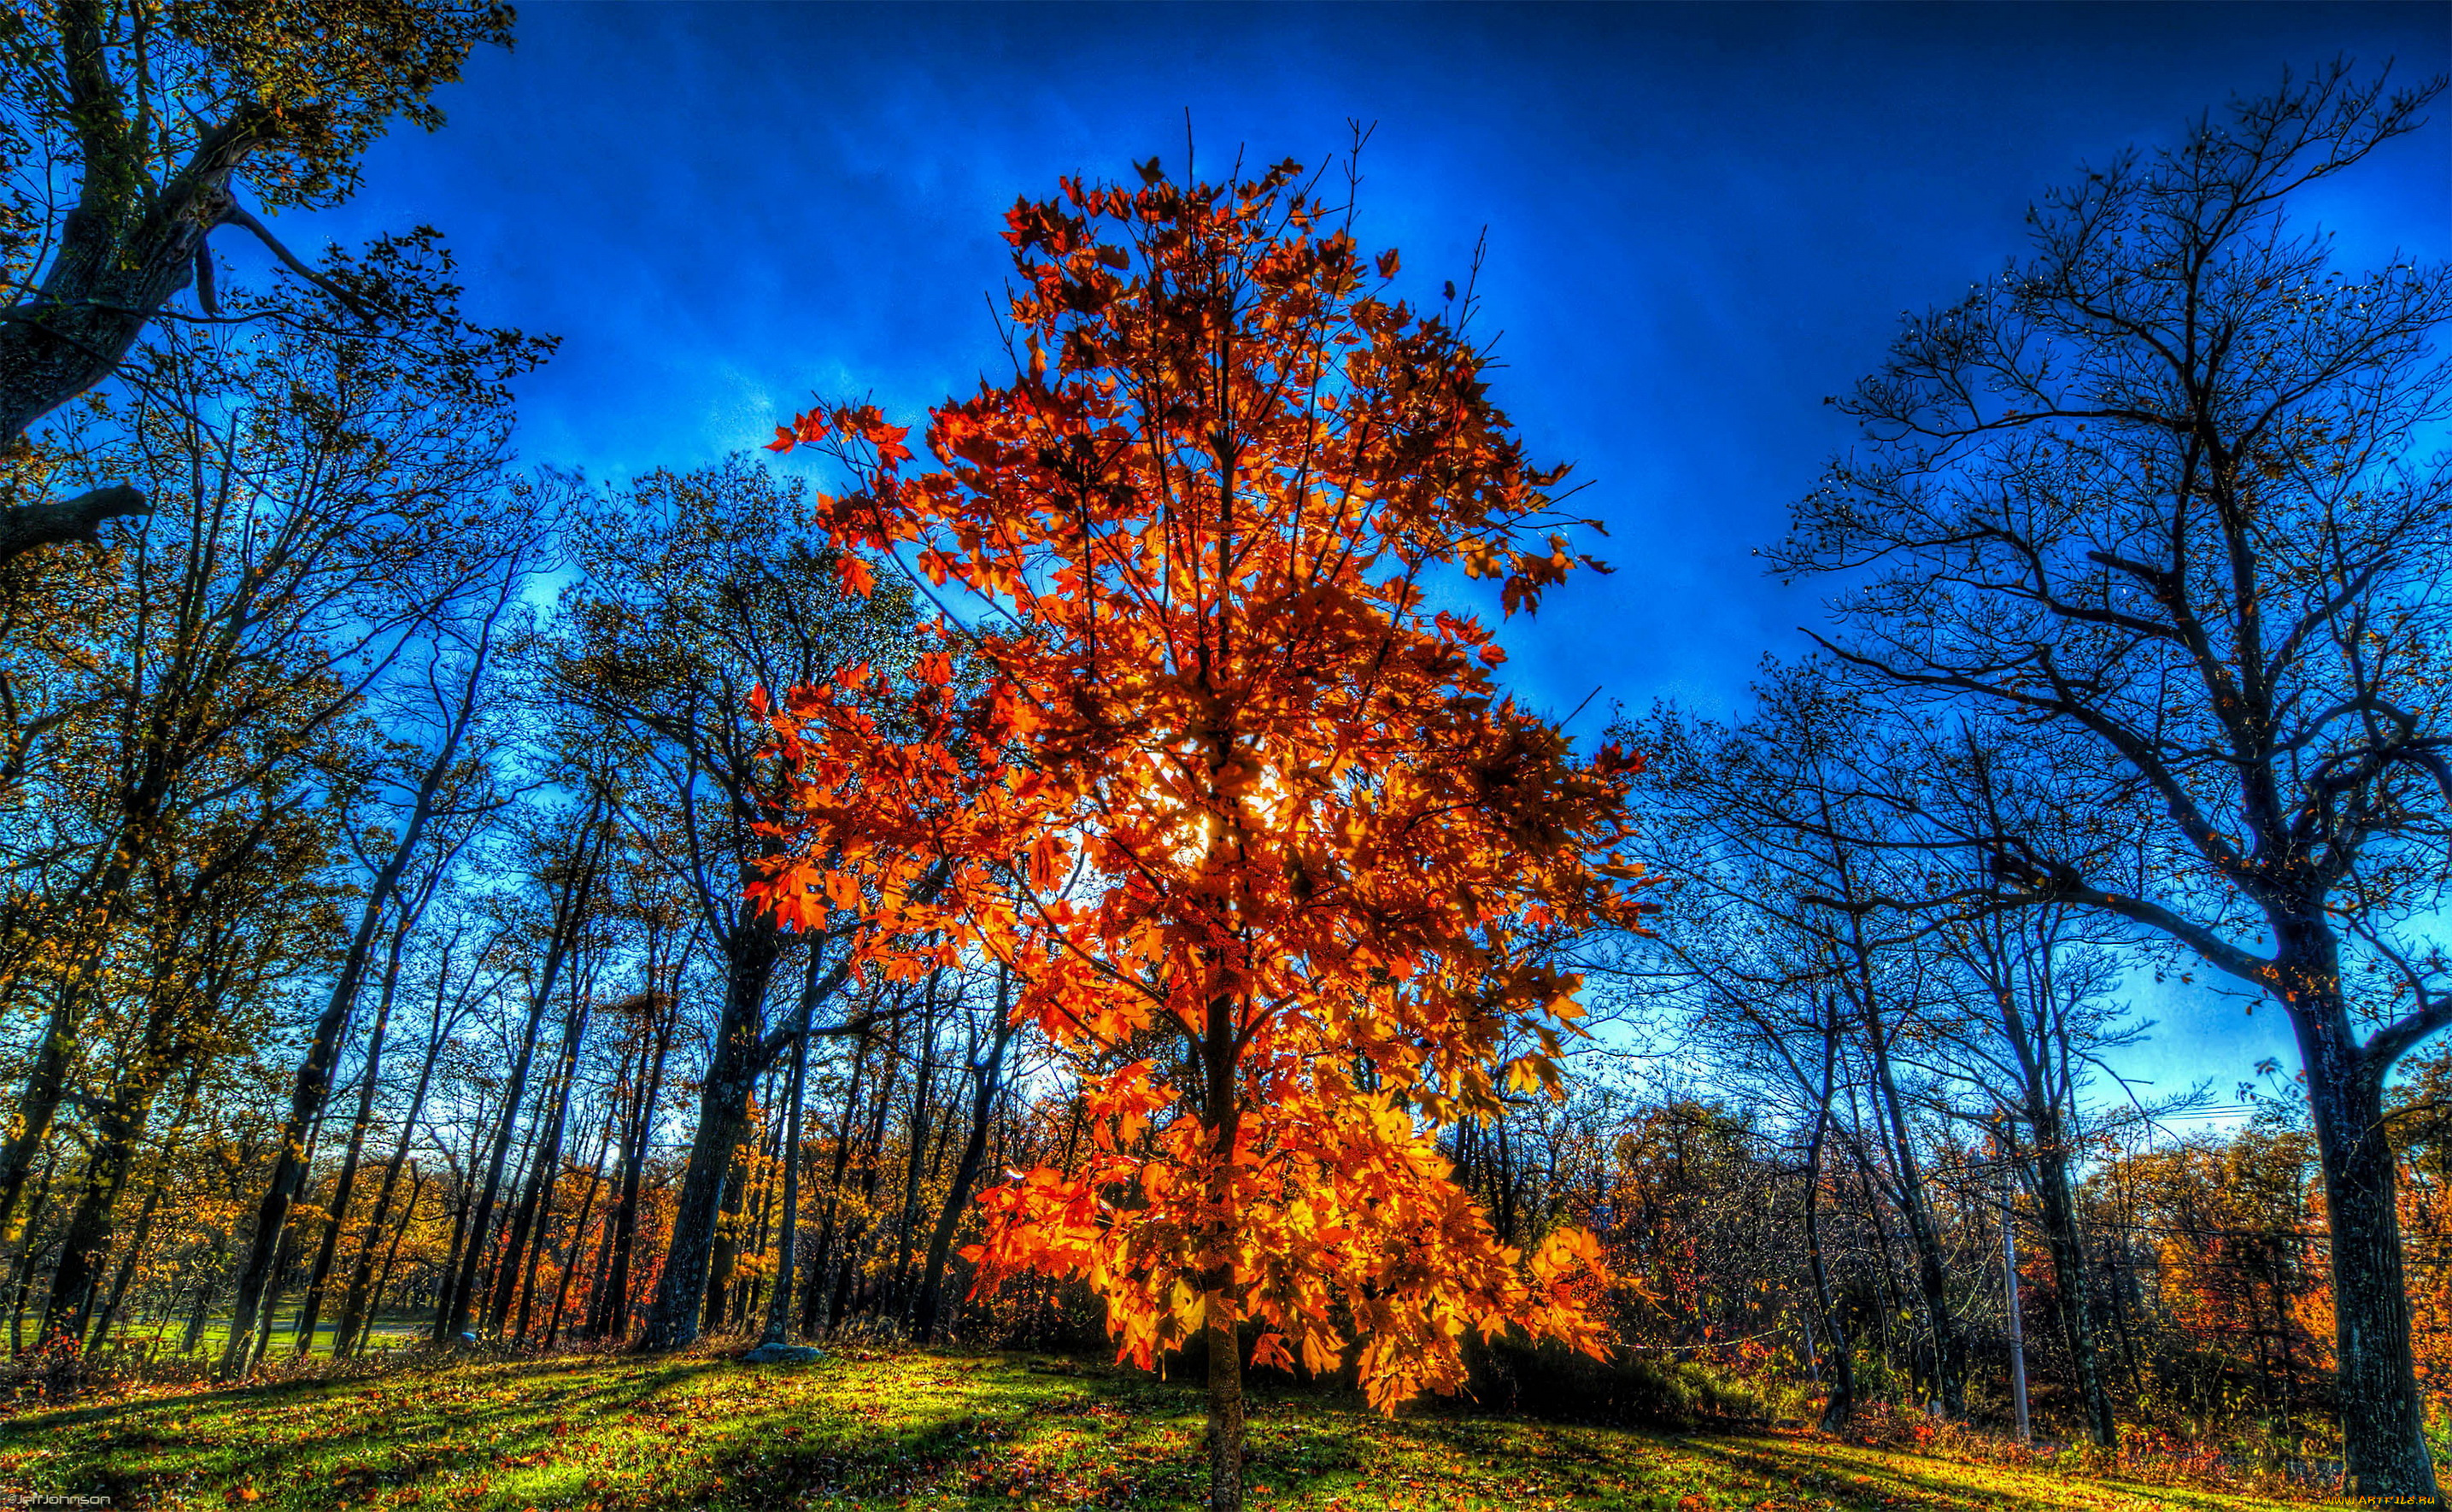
{"points": [[388, 1333], [927, 1430]]}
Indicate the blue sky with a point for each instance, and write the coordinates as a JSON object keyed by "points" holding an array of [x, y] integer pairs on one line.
{"points": [[1701, 220]]}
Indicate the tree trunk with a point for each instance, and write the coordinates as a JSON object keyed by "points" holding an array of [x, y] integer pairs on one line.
{"points": [[612, 1319], [1932, 1272], [570, 911], [1842, 1403], [469, 1242], [315, 1071], [1222, 1111], [353, 1301], [205, 1287], [542, 1175], [577, 1235], [86, 1244], [724, 1115], [725, 1252], [311, 1308], [2057, 1196], [27, 1252], [383, 1282], [47, 1078], [612, 1310], [2383, 1419], [858, 1243], [966, 1170], [528, 1218], [263, 1335], [813, 1312], [535, 1255], [108, 1313], [778, 1301], [906, 1230]]}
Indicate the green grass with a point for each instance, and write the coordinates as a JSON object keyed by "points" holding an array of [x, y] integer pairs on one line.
{"points": [[388, 1331], [923, 1430]]}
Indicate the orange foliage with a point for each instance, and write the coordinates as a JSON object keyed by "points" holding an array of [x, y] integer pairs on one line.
{"points": [[1261, 840]]}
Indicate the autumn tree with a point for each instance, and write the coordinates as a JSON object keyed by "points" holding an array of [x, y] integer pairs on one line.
{"points": [[2153, 499], [1244, 816], [132, 130]]}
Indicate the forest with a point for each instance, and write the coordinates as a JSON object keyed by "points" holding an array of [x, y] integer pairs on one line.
{"points": [[1065, 878]]}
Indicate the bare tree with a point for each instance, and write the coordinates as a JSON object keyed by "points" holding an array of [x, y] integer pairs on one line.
{"points": [[2150, 497]]}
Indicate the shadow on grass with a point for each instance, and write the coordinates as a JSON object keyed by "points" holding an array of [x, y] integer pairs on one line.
{"points": [[1895, 1478], [624, 1432], [627, 1433]]}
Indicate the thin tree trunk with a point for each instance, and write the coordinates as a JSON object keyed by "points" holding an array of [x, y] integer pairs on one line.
{"points": [[315, 1071], [529, 1215], [1222, 1113], [1932, 1273], [906, 1231], [205, 1287], [726, 1248], [2055, 1194], [847, 1260], [764, 1184], [535, 1255], [383, 1282], [497, 1263], [570, 911], [548, 1167], [85, 1246], [342, 1184], [612, 1318], [1842, 1403], [103, 891], [778, 1301], [153, 1205], [127, 1263], [353, 1301], [966, 1170], [617, 1122], [579, 1233], [814, 1312], [28, 1252]]}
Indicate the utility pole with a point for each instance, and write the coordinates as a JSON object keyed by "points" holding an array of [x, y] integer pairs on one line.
{"points": [[2009, 1282]]}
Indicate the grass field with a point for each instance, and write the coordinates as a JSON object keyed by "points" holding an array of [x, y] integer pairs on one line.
{"points": [[927, 1430], [388, 1332]]}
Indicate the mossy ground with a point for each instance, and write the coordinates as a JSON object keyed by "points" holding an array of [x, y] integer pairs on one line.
{"points": [[920, 1430]]}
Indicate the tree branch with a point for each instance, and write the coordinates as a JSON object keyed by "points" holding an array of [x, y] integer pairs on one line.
{"points": [[233, 213], [2062, 884], [61, 520]]}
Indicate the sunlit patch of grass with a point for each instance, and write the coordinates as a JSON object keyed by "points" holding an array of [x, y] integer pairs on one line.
{"points": [[166, 1337], [927, 1430]]}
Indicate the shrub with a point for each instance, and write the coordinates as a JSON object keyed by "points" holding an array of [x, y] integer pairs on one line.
{"points": [[1550, 1381]]}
